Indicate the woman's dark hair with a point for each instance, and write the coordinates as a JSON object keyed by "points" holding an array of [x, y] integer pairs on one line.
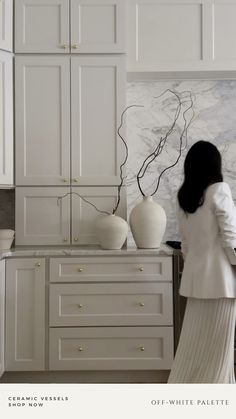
{"points": [[202, 167]]}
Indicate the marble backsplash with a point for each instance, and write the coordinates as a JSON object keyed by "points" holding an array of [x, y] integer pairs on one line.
{"points": [[214, 120]]}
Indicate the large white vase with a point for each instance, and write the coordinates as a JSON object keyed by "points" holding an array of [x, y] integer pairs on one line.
{"points": [[111, 231], [148, 223]]}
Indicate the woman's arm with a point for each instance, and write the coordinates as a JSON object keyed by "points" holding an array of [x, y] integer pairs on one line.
{"points": [[225, 211]]}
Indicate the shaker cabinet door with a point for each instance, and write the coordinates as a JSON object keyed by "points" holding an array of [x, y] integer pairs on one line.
{"points": [[40, 218], [97, 100], [6, 119], [97, 26], [6, 24], [42, 95], [25, 315], [42, 26]]}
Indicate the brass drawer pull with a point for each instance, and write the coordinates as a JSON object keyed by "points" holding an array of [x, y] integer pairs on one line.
{"points": [[80, 305], [38, 264], [80, 349], [141, 268], [80, 269], [142, 348], [141, 304]]}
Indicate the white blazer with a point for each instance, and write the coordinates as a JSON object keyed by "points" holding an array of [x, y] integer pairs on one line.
{"points": [[207, 236]]}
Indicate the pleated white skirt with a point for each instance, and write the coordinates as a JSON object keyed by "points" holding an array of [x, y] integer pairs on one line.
{"points": [[205, 353]]}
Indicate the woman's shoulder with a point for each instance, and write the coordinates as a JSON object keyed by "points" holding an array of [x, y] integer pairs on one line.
{"points": [[217, 189]]}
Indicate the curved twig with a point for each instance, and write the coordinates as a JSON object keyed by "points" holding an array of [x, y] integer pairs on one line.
{"points": [[84, 199]]}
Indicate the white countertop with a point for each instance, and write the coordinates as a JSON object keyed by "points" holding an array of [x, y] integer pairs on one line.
{"points": [[82, 251]]}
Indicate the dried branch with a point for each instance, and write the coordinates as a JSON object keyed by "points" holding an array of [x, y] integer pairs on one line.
{"points": [[126, 155], [162, 142], [84, 199]]}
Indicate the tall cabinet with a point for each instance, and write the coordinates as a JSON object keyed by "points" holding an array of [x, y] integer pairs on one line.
{"points": [[69, 94]]}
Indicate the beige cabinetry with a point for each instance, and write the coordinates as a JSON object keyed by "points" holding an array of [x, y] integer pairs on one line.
{"points": [[6, 119], [77, 26], [62, 98], [2, 317], [25, 315], [181, 35], [6, 25], [43, 219], [110, 313]]}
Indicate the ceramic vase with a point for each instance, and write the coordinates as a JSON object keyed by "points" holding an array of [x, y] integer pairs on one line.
{"points": [[148, 223], [111, 231]]}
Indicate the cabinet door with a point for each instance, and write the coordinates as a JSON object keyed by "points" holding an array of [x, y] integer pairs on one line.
{"points": [[6, 26], [41, 218], [25, 314], [2, 316], [98, 98], [84, 214], [97, 26], [42, 26], [6, 119], [42, 114]]}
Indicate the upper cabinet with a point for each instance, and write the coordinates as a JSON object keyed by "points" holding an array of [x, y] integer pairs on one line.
{"points": [[6, 119], [54, 141], [98, 26], [6, 25], [181, 35], [42, 26], [63, 26]]}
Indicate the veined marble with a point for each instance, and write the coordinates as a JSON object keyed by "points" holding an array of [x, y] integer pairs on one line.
{"points": [[214, 120], [84, 251]]}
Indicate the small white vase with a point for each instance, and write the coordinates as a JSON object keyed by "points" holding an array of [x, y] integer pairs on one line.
{"points": [[148, 224], [111, 231]]}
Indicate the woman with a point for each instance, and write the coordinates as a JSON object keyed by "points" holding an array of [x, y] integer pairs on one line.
{"points": [[207, 221]]}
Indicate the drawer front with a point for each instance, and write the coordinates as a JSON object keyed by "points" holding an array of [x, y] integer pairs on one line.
{"points": [[106, 348], [111, 304], [107, 269]]}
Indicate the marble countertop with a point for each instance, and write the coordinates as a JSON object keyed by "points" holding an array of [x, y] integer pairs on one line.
{"points": [[164, 250]]}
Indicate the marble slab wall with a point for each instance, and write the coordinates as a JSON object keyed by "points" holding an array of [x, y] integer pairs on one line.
{"points": [[214, 120]]}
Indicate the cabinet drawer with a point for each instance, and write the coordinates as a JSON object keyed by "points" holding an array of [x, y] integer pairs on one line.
{"points": [[111, 304], [111, 348], [103, 269]]}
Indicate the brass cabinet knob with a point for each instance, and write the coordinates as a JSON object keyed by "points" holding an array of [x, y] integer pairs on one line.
{"points": [[75, 46], [76, 239], [142, 348], [140, 268], [65, 239], [64, 46], [80, 269], [76, 180], [38, 264], [80, 348], [80, 305], [141, 304], [64, 180]]}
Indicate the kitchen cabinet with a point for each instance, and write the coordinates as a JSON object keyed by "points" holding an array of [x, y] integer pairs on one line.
{"points": [[79, 98], [6, 119], [6, 25], [42, 219], [110, 313], [25, 314], [77, 26], [2, 317], [89, 312], [181, 35]]}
